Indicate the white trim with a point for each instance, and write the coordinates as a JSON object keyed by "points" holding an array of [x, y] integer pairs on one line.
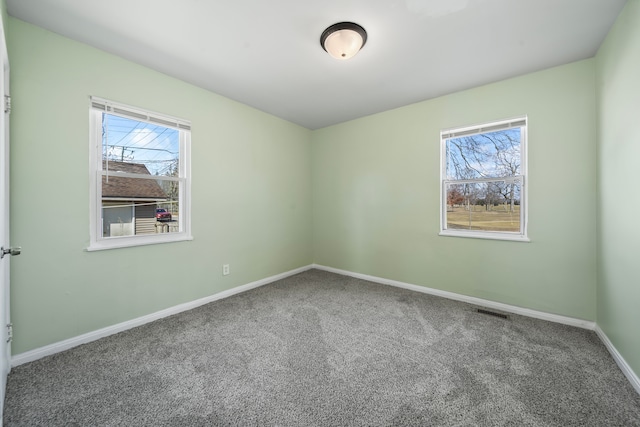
{"points": [[622, 364], [585, 324], [118, 174], [484, 127], [140, 240], [488, 235], [5, 349], [139, 114], [38, 353], [54, 348], [97, 241]]}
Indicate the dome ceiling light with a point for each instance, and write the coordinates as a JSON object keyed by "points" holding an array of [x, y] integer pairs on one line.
{"points": [[343, 40]]}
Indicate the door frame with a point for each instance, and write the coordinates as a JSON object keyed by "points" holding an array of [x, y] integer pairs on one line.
{"points": [[5, 344]]}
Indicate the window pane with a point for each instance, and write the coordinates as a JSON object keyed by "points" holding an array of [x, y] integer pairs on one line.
{"points": [[117, 220], [139, 147], [484, 206], [485, 155], [140, 180], [135, 206]]}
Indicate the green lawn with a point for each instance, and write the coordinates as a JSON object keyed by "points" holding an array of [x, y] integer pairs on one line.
{"points": [[497, 219]]}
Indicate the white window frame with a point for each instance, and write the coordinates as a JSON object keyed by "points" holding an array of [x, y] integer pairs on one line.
{"points": [[98, 106], [518, 122]]}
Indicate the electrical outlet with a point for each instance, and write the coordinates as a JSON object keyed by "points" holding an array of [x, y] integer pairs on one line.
{"points": [[225, 269]]}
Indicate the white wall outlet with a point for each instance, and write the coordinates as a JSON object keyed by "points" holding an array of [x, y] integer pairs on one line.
{"points": [[225, 269]]}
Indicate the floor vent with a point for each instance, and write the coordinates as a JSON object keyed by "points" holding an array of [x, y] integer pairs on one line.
{"points": [[492, 313]]}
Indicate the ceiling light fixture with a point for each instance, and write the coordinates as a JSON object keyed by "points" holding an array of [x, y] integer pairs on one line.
{"points": [[343, 40]]}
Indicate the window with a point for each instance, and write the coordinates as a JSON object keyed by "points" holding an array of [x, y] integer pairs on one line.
{"points": [[140, 176], [483, 192]]}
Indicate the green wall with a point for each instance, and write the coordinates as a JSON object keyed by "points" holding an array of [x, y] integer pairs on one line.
{"points": [[251, 193], [270, 196], [618, 88], [376, 195]]}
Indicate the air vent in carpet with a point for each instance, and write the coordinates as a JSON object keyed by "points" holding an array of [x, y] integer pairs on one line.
{"points": [[492, 313]]}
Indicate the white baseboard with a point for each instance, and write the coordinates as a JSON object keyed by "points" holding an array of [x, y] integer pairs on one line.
{"points": [[585, 324], [622, 364], [38, 353], [50, 349]]}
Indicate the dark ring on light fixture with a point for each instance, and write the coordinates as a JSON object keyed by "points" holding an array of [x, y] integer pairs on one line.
{"points": [[343, 26]]}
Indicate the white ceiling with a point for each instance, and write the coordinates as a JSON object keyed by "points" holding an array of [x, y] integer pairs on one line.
{"points": [[267, 54]]}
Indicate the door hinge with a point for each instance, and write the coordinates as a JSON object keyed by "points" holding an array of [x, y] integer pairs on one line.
{"points": [[7, 104], [9, 332], [11, 251]]}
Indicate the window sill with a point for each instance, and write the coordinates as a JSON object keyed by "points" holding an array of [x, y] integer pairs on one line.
{"points": [[485, 235], [128, 242]]}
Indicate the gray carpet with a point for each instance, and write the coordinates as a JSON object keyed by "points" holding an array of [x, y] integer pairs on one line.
{"points": [[320, 349]]}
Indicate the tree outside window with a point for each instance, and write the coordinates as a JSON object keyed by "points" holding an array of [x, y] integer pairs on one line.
{"points": [[483, 173]]}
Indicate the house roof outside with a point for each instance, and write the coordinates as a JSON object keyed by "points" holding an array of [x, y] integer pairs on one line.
{"points": [[130, 188]]}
